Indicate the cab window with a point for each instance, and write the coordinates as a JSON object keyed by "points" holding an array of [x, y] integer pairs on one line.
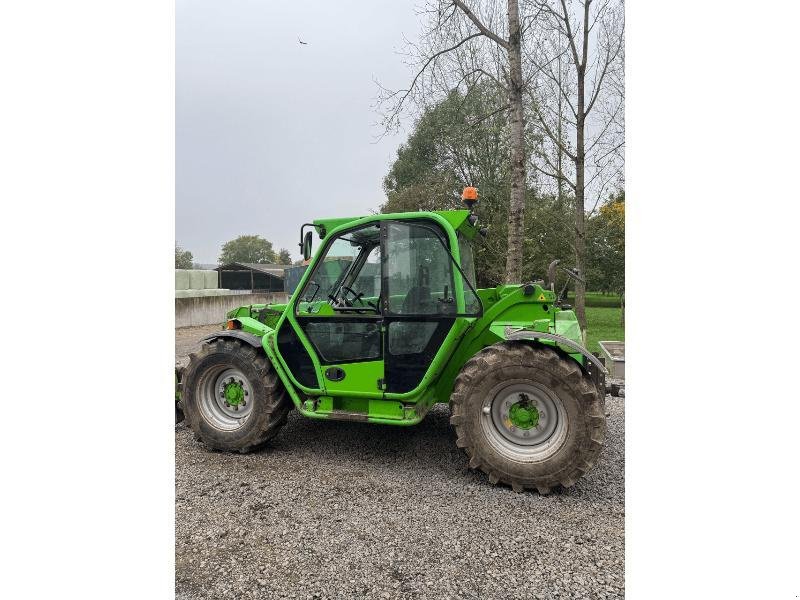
{"points": [[471, 300], [419, 272], [348, 275]]}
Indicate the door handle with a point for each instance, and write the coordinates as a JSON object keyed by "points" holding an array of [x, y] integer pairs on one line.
{"points": [[335, 373]]}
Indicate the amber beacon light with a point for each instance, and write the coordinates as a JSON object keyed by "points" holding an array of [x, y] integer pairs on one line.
{"points": [[470, 196]]}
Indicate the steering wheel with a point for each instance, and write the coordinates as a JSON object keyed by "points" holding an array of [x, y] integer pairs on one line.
{"points": [[357, 296]]}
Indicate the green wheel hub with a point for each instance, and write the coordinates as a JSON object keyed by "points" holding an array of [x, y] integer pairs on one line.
{"points": [[524, 415], [226, 397], [234, 393], [524, 419]]}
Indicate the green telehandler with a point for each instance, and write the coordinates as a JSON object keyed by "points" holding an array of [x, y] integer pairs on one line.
{"points": [[386, 322]]}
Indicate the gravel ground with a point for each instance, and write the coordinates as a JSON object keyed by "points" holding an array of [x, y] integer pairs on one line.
{"points": [[186, 339], [351, 510]]}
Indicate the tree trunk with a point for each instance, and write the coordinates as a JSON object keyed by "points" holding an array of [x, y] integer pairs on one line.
{"points": [[580, 242], [580, 214], [517, 201], [559, 150], [580, 181]]}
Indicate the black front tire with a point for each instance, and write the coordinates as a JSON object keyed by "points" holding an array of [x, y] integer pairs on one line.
{"points": [[581, 415], [270, 404]]}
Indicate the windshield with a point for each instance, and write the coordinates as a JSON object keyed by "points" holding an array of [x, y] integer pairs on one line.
{"points": [[351, 264]]}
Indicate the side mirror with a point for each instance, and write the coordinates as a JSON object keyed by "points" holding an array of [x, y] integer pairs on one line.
{"points": [[307, 242]]}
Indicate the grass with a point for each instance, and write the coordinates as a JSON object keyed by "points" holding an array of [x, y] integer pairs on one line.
{"points": [[602, 318], [602, 323], [597, 299]]}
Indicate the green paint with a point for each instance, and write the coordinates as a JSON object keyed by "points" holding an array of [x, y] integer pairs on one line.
{"points": [[359, 395], [234, 393], [524, 415], [357, 378]]}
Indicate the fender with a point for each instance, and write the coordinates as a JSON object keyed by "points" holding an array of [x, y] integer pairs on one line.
{"points": [[594, 367], [526, 334], [252, 339]]}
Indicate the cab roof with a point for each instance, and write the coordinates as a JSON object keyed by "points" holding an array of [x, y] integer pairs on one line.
{"points": [[456, 218]]}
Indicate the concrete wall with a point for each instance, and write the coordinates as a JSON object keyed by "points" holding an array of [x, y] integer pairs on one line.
{"points": [[208, 310], [205, 292]]}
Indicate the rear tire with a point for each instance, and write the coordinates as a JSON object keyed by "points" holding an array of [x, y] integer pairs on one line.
{"points": [[527, 416], [232, 397], [178, 406]]}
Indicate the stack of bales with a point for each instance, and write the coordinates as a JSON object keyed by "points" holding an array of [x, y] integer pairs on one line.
{"points": [[193, 283]]}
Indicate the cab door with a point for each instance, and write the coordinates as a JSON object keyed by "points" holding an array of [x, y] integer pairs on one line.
{"points": [[420, 302], [335, 325]]}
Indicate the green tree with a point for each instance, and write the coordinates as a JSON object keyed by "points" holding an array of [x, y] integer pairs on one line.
{"points": [[606, 246], [284, 258], [183, 258], [462, 141], [578, 107], [247, 249], [455, 143], [459, 46]]}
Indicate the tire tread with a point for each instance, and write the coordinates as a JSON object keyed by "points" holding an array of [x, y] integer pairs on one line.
{"points": [[565, 373], [277, 403]]}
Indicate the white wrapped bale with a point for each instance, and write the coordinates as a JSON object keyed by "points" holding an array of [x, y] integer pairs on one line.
{"points": [[181, 293], [211, 280], [197, 280], [181, 279]]}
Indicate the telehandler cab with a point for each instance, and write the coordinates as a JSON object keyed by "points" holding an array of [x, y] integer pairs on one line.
{"points": [[385, 322]]}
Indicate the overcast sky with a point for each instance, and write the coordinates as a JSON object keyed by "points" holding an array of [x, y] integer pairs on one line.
{"points": [[270, 133]]}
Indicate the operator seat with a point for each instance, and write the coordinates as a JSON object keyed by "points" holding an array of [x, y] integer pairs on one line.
{"points": [[410, 337], [418, 301]]}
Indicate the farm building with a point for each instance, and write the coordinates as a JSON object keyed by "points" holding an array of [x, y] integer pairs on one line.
{"points": [[251, 276], [329, 273]]}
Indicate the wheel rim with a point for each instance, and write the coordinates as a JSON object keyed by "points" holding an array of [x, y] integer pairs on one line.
{"points": [[524, 421], [226, 398]]}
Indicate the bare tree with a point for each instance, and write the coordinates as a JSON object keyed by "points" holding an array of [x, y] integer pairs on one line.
{"points": [[462, 45], [577, 61]]}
